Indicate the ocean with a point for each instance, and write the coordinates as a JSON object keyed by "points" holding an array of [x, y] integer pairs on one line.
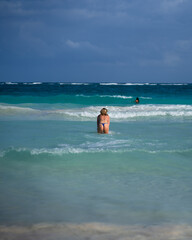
{"points": [[60, 179]]}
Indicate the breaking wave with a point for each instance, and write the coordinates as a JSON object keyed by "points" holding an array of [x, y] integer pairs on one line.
{"points": [[90, 113], [118, 146]]}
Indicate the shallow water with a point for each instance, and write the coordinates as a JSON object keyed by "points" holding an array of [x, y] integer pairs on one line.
{"points": [[52, 173]]}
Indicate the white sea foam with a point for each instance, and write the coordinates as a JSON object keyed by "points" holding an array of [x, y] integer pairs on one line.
{"points": [[155, 84], [173, 84], [59, 151], [35, 83], [104, 96], [65, 83], [79, 83], [2, 153], [117, 96], [32, 83], [99, 231], [123, 113], [11, 83], [141, 84], [116, 113], [130, 84], [69, 83], [108, 84], [109, 146], [149, 84], [127, 84]]}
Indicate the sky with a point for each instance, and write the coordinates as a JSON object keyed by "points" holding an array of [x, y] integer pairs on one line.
{"points": [[96, 40]]}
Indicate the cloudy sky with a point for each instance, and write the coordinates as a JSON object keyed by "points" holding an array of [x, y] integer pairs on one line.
{"points": [[96, 40]]}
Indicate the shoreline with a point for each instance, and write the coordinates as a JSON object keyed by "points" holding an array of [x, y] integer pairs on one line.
{"points": [[96, 231]]}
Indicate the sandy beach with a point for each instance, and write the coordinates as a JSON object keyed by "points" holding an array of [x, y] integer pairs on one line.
{"points": [[95, 231]]}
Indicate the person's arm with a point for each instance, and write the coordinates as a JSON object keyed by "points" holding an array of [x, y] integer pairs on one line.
{"points": [[98, 121], [108, 119]]}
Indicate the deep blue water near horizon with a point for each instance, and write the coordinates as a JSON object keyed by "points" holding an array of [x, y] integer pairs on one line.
{"points": [[55, 168]]}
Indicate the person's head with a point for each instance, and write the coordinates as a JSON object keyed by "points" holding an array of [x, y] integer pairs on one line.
{"points": [[103, 111]]}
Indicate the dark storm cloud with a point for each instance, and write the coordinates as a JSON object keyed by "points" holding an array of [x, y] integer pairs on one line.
{"points": [[94, 40]]}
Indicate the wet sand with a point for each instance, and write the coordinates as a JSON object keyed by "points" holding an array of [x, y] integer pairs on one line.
{"points": [[95, 231]]}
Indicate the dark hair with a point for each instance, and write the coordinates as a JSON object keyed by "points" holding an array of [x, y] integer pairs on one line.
{"points": [[103, 111]]}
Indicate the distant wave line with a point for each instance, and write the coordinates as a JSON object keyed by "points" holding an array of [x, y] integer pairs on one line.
{"points": [[105, 96], [101, 83]]}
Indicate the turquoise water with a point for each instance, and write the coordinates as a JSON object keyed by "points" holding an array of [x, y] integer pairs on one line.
{"points": [[55, 168]]}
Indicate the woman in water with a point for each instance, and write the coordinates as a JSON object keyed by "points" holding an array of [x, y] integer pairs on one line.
{"points": [[103, 121]]}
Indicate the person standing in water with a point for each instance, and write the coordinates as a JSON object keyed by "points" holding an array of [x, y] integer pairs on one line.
{"points": [[103, 121], [137, 100]]}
